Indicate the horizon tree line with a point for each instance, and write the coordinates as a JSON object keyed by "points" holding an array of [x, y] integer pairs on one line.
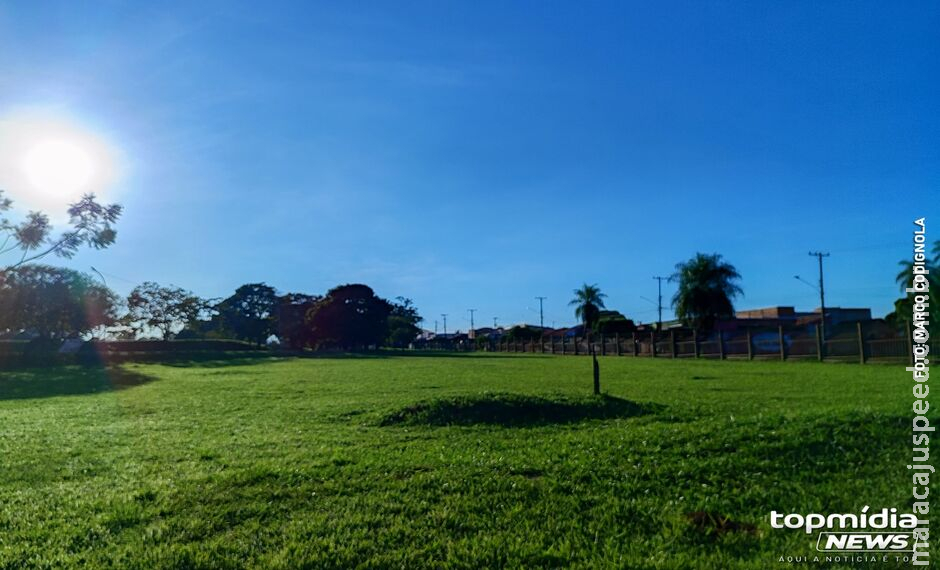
{"points": [[54, 303], [62, 301]]}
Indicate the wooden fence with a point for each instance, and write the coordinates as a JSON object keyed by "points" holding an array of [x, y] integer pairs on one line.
{"points": [[749, 344]]}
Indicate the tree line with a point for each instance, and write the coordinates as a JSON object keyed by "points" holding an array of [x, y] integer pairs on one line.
{"points": [[57, 303], [54, 302]]}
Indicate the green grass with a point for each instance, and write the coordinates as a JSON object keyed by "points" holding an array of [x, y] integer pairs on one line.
{"points": [[449, 461]]}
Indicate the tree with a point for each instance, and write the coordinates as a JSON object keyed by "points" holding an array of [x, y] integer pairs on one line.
{"points": [[904, 307], [403, 323], [291, 319], [613, 322], [523, 333], [349, 317], [707, 288], [166, 309], [54, 302], [250, 313], [588, 302], [91, 224]]}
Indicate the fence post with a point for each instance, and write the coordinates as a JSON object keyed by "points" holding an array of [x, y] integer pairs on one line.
{"points": [[695, 342], [617, 339], [603, 346], [575, 346], [783, 347], [721, 346], [563, 348], [652, 344], [861, 343], [910, 341], [636, 345], [672, 342], [750, 345], [819, 346]]}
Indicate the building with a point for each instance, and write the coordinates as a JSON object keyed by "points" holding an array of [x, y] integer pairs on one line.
{"points": [[786, 316]]}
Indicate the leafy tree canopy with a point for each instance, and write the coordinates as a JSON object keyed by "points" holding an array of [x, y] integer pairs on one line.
{"points": [[523, 332], [54, 302], [292, 329], [403, 322], [613, 322], [250, 313], [350, 317], [163, 309], [90, 224], [707, 288]]}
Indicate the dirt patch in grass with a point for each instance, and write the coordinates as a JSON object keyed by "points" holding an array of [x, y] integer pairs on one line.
{"points": [[515, 410]]}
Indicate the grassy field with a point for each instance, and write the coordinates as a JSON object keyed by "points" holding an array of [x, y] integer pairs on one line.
{"points": [[463, 461]]}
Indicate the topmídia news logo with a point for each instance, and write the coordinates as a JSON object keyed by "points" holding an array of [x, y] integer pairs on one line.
{"points": [[883, 531]]}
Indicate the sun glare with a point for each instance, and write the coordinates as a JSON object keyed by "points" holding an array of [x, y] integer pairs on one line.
{"points": [[48, 162], [58, 167]]}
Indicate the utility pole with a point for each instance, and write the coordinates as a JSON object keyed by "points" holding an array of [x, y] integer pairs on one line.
{"points": [[472, 333], [659, 302], [822, 293], [444, 315], [541, 314]]}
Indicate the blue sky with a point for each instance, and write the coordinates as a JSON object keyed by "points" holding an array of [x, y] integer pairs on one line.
{"points": [[479, 154]]}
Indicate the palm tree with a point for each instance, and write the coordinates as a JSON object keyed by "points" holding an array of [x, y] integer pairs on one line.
{"points": [[588, 302], [904, 306], [707, 288], [905, 277]]}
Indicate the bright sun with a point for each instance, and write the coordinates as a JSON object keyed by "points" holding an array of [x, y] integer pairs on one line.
{"points": [[59, 167], [48, 161]]}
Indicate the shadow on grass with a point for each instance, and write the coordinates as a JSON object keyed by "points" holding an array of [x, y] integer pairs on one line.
{"points": [[240, 358], [214, 360], [47, 382], [515, 410], [403, 353]]}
